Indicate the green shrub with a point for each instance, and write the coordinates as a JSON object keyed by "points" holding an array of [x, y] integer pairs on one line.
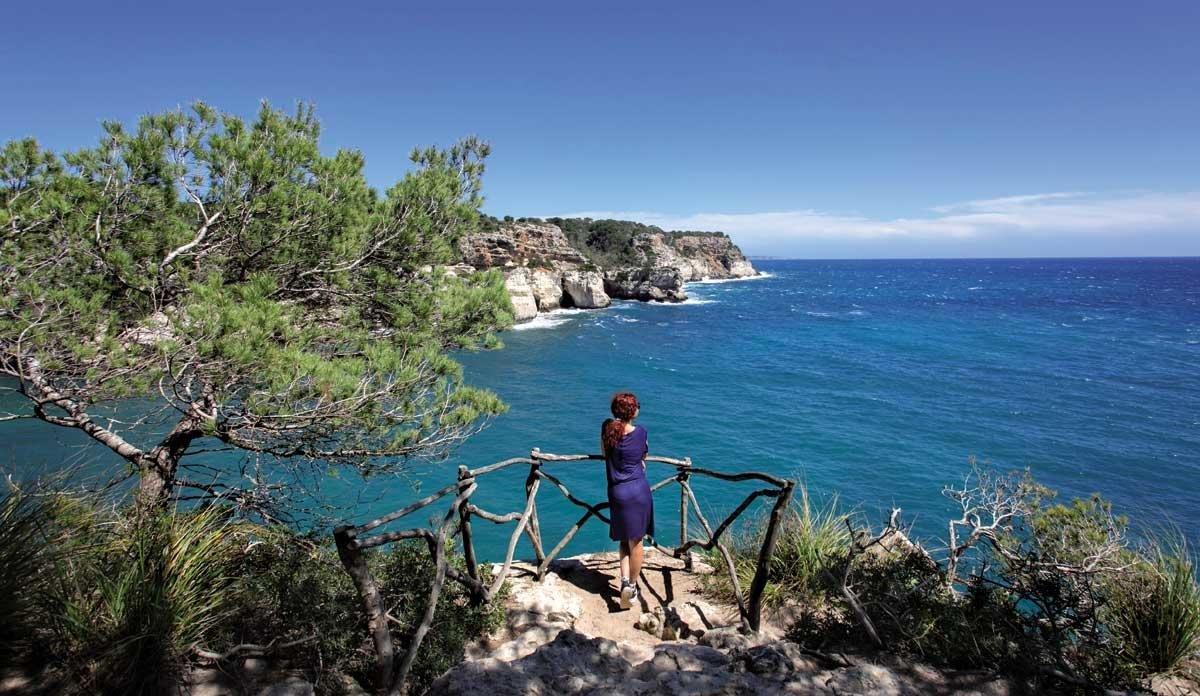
{"points": [[23, 555], [404, 573], [606, 243], [917, 617], [134, 594], [119, 601], [1053, 594], [1154, 611], [812, 538], [291, 588]]}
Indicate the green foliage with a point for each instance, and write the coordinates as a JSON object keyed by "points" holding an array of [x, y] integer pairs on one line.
{"points": [[132, 595], [293, 590], [1061, 563], [405, 574], [1067, 532], [117, 601], [23, 556], [284, 305], [1054, 595], [1154, 610], [607, 243], [916, 617], [813, 538]]}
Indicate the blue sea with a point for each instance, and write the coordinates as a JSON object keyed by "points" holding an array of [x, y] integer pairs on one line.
{"points": [[877, 381]]}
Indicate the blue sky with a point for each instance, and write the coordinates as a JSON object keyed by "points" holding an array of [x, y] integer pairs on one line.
{"points": [[869, 129]]}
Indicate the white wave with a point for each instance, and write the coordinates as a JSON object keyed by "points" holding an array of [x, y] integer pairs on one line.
{"points": [[541, 321], [717, 281], [977, 287], [549, 320], [689, 302]]}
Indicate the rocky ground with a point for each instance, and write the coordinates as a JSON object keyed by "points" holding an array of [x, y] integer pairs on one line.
{"points": [[568, 635]]}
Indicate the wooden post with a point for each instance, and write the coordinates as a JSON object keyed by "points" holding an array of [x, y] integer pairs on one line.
{"points": [[468, 542], [534, 529], [763, 570], [399, 686], [683, 519], [729, 565], [372, 601]]}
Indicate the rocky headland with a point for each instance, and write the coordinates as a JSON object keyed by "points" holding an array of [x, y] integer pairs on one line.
{"points": [[545, 269]]}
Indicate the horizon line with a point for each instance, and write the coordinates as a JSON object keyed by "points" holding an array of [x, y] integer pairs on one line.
{"points": [[1187, 257]]}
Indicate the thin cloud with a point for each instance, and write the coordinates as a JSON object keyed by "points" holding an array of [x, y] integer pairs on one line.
{"points": [[1056, 216], [1007, 201]]}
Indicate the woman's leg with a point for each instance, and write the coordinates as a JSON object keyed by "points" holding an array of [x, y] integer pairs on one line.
{"points": [[624, 554], [635, 559]]}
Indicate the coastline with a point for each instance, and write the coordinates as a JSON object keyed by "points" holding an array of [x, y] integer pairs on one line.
{"points": [[563, 315]]}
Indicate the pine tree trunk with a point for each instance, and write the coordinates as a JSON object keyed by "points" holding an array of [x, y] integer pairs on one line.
{"points": [[157, 468]]}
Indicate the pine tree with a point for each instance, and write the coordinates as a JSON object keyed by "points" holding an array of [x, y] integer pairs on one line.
{"points": [[249, 291]]}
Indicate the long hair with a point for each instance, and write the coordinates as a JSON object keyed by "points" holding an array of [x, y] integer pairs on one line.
{"points": [[624, 406]]}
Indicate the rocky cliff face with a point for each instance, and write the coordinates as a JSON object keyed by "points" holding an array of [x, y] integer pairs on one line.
{"points": [[520, 244], [698, 256], [543, 272]]}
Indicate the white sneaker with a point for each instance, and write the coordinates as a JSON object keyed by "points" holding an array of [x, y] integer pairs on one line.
{"points": [[629, 594]]}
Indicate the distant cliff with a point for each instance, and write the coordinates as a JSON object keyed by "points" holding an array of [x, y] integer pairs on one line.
{"points": [[578, 262]]}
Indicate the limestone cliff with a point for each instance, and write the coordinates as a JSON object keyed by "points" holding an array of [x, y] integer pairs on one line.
{"points": [[544, 271], [520, 244], [697, 255]]}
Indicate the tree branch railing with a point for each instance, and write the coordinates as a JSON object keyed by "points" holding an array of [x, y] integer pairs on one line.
{"points": [[352, 541]]}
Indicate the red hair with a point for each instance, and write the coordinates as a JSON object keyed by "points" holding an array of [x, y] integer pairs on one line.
{"points": [[624, 407]]}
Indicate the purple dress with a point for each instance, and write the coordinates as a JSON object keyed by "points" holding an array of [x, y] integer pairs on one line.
{"points": [[631, 506]]}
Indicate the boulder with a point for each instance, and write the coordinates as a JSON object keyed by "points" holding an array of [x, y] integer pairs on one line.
{"points": [[684, 657], [572, 663], [776, 659], [585, 289], [520, 291], [725, 638], [870, 679], [661, 284]]}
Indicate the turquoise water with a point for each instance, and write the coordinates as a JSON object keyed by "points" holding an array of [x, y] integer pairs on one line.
{"points": [[877, 380]]}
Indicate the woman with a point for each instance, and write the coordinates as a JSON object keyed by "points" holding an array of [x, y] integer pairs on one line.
{"points": [[631, 509]]}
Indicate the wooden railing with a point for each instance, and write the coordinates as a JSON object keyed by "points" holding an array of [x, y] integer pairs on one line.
{"points": [[352, 541]]}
